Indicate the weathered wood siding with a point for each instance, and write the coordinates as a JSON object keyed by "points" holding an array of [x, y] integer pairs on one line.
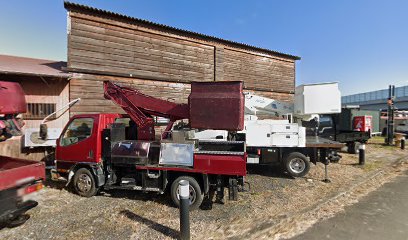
{"points": [[13, 148], [89, 88], [37, 91], [54, 91], [259, 72], [96, 45], [162, 63]]}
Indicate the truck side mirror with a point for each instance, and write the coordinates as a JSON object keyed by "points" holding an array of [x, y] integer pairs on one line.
{"points": [[43, 131]]}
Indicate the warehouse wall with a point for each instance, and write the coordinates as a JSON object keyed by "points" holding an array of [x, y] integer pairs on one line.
{"points": [[161, 62], [259, 72], [89, 87]]}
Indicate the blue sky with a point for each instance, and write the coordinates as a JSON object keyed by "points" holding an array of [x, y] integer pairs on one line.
{"points": [[361, 44]]}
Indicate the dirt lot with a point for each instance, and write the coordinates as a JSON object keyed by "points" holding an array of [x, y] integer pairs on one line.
{"points": [[135, 215]]}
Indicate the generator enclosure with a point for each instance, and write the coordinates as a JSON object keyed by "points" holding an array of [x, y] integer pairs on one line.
{"points": [[345, 120], [322, 98], [217, 105], [363, 123], [263, 133]]}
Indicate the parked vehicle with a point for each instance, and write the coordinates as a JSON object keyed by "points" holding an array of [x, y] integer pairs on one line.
{"points": [[19, 182], [283, 141], [119, 151], [342, 128], [402, 127], [19, 179]]}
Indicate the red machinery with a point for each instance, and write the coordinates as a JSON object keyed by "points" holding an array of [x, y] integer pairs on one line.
{"points": [[363, 123], [211, 106], [120, 151], [12, 103], [19, 179]]}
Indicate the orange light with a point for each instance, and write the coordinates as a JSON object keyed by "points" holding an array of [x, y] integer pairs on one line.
{"points": [[33, 188]]}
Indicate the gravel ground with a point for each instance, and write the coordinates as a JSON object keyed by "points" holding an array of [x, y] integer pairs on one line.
{"points": [[135, 215]]}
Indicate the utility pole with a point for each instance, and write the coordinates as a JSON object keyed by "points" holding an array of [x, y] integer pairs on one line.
{"points": [[390, 120]]}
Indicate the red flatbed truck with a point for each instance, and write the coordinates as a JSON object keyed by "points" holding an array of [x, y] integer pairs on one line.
{"points": [[119, 151], [19, 179]]}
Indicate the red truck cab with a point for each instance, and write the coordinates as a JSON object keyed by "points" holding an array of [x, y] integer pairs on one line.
{"points": [[80, 140], [84, 157]]}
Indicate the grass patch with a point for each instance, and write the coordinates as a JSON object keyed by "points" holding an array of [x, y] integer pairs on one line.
{"points": [[376, 140], [371, 166]]}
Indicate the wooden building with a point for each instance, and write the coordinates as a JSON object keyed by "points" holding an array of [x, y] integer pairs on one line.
{"points": [[46, 89], [158, 60], [162, 61]]}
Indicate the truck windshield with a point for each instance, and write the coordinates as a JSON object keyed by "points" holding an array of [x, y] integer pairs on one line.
{"points": [[78, 130]]}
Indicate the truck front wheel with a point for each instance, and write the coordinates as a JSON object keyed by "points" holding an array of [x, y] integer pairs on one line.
{"points": [[296, 164], [84, 183], [196, 195]]}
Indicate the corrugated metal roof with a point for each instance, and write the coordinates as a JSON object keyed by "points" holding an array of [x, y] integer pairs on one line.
{"points": [[32, 66], [74, 6]]}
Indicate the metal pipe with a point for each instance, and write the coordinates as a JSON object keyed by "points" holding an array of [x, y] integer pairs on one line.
{"points": [[361, 154], [62, 108], [326, 175], [184, 188]]}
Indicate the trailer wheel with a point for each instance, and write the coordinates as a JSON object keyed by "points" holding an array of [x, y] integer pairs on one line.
{"points": [[84, 183], [196, 194], [296, 164], [353, 147]]}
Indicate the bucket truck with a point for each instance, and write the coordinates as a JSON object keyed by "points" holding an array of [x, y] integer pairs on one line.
{"points": [[120, 151], [19, 179], [283, 140]]}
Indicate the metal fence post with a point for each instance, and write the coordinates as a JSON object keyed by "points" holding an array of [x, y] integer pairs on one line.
{"points": [[361, 154], [184, 188]]}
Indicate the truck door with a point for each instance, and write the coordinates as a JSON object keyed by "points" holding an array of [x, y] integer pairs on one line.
{"points": [[78, 142]]}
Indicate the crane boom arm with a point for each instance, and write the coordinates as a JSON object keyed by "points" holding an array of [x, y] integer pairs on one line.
{"points": [[141, 107], [256, 104]]}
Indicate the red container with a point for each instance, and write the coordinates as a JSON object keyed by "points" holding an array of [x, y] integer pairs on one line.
{"points": [[217, 105], [363, 123], [12, 98]]}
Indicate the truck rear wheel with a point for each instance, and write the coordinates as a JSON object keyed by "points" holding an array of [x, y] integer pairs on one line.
{"points": [[296, 164], [196, 195], [18, 221], [84, 183]]}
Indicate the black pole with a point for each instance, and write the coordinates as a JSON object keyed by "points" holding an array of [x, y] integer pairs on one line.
{"points": [[390, 120], [361, 154], [403, 143], [325, 159], [184, 188]]}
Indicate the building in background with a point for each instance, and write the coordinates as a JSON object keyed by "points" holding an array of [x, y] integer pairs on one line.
{"points": [[162, 61], [156, 59], [46, 88], [377, 100]]}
